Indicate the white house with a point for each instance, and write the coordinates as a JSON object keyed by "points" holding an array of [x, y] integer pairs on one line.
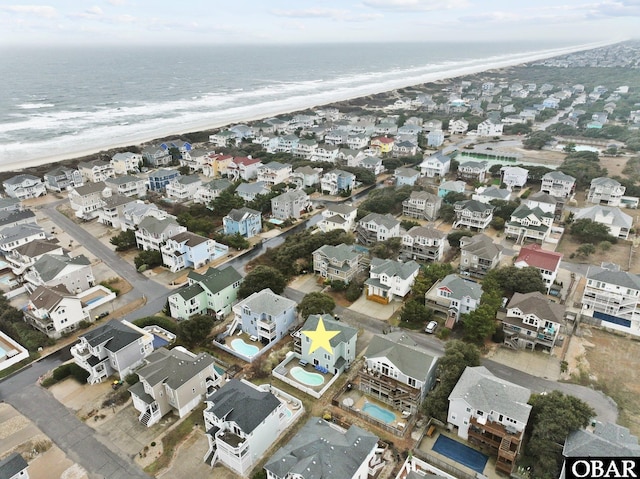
{"points": [[435, 166], [96, 170], [514, 176], [486, 194], [54, 310], [24, 187], [423, 243], [127, 162], [86, 200], [472, 170], [389, 279], [605, 191], [274, 173], [152, 233], [458, 126], [338, 216], [454, 296], [528, 224], [488, 409], [183, 188], [127, 185], [473, 214], [490, 127], [556, 183], [619, 223], [376, 227]]}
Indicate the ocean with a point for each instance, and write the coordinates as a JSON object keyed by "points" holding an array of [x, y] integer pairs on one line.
{"points": [[66, 102]]}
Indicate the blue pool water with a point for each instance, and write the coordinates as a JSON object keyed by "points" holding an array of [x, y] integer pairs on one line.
{"points": [[460, 453], [93, 300], [304, 377], [6, 279], [158, 342], [379, 413], [276, 221], [244, 348]]}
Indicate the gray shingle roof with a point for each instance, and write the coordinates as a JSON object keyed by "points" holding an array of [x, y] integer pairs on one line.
{"points": [[406, 172], [426, 232], [558, 176], [394, 268], [90, 188], [485, 392], [155, 226], [403, 352], [242, 404], [12, 465], [189, 238], [114, 334], [461, 287], [480, 245], [216, 279], [239, 214], [122, 180], [50, 265], [18, 179], [473, 205], [341, 208], [614, 215], [340, 253], [619, 278], [37, 248], [345, 332], [523, 211], [542, 197], [320, 451], [266, 301], [604, 181], [173, 367], [388, 221], [536, 303], [606, 440], [13, 216]]}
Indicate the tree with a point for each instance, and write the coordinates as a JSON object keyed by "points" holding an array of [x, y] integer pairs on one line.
{"points": [[458, 355], [497, 223], [415, 313], [510, 279], [456, 235], [537, 140], [553, 416], [387, 249], [569, 147], [447, 213], [504, 209], [453, 197], [316, 303], [586, 249], [195, 330], [408, 224], [124, 241], [149, 259], [184, 170], [262, 277], [227, 201], [587, 230]]}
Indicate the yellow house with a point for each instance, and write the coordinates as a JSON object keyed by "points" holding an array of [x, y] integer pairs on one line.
{"points": [[216, 164], [383, 143]]}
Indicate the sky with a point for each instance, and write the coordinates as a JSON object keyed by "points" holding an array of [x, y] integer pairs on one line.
{"points": [[128, 22]]}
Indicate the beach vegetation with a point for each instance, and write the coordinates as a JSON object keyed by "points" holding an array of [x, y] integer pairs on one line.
{"points": [[384, 200], [447, 213], [583, 168], [510, 280], [316, 303], [195, 330], [537, 140], [262, 277], [124, 241], [354, 290], [13, 325], [390, 248], [149, 259], [453, 197], [504, 209], [588, 231], [415, 315], [455, 236]]}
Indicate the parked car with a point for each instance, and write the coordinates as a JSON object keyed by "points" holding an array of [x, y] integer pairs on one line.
{"points": [[431, 327]]}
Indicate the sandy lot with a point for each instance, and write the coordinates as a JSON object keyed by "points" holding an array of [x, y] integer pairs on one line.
{"points": [[46, 460], [619, 253]]}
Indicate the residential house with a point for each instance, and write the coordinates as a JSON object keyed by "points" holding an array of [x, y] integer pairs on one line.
{"points": [[189, 250], [546, 202], [75, 274], [175, 381], [208, 192], [305, 176], [54, 311], [95, 171], [86, 200], [422, 205], [490, 127], [619, 223], [376, 227], [127, 162], [16, 217], [213, 292], [547, 262], [491, 411], [338, 216], [557, 184], [10, 204], [604, 440], [242, 421], [156, 157], [335, 182], [216, 164], [305, 148], [24, 187], [117, 347], [112, 210], [243, 221], [435, 138], [291, 204], [339, 137], [324, 450], [390, 279], [611, 298], [472, 214], [342, 344], [529, 224], [274, 173], [242, 132], [486, 194], [605, 191], [397, 371], [249, 191], [195, 159], [337, 263], [473, 170], [454, 296], [373, 164], [266, 315], [382, 144], [159, 179], [223, 139], [134, 212], [405, 148], [357, 141], [436, 165], [423, 243], [350, 157], [23, 257], [478, 255], [432, 125], [406, 176], [183, 188], [287, 143], [447, 187], [152, 233], [14, 467], [62, 178], [458, 126], [128, 185], [12, 237], [180, 145], [531, 320], [514, 176]]}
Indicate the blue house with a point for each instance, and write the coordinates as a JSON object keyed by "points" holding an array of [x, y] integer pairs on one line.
{"points": [[266, 315], [181, 146], [448, 186], [159, 179], [245, 221], [406, 176]]}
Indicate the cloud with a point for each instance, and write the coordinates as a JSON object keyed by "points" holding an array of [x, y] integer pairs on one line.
{"points": [[91, 13], [416, 5], [116, 3], [44, 11], [311, 13]]}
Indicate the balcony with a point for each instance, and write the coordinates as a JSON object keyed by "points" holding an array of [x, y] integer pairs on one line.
{"points": [[233, 441], [81, 352]]}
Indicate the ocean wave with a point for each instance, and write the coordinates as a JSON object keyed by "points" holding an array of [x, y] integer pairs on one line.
{"points": [[35, 106]]}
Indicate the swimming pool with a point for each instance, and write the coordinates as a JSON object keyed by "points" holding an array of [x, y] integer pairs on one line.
{"points": [[276, 221], [304, 377], [460, 453], [7, 279], [244, 348], [93, 300], [159, 341], [379, 413]]}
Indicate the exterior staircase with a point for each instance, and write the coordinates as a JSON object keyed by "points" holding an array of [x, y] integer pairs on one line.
{"points": [[211, 457]]}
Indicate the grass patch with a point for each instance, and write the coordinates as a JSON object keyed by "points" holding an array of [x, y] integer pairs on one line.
{"points": [[173, 438], [16, 367]]}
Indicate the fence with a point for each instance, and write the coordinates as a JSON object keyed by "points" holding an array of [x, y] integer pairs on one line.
{"points": [[446, 467]]}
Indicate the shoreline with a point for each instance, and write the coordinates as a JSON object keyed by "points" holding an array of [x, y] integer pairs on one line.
{"points": [[371, 90]]}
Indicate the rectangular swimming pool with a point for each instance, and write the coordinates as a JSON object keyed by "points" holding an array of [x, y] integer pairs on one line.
{"points": [[460, 453]]}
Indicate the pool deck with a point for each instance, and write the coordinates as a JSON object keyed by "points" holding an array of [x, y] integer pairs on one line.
{"points": [[308, 368], [360, 399], [245, 337], [426, 445]]}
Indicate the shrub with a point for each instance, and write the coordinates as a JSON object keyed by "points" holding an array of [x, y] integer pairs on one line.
{"points": [[444, 333], [132, 379], [161, 321], [353, 292], [498, 336]]}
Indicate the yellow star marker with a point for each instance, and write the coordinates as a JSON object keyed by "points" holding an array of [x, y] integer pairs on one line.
{"points": [[320, 338]]}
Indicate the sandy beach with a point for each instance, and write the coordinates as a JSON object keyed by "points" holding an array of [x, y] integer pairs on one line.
{"points": [[278, 108]]}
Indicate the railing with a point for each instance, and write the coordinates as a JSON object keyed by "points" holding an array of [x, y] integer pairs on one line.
{"points": [[431, 459]]}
